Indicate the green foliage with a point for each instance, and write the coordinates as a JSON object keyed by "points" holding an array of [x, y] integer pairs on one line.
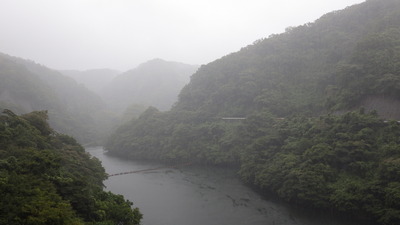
{"points": [[338, 162], [284, 86], [372, 70], [48, 178]]}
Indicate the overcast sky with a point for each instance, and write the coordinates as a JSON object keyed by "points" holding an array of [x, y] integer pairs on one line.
{"points": [[120, 34]]}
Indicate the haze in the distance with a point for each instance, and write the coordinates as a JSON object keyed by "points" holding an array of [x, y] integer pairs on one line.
{"points": [[120, 34]]}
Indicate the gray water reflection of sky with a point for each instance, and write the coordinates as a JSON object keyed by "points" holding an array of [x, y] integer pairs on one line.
{"points": [[197, 196]]}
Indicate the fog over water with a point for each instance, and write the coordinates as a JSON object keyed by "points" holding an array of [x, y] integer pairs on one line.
{"points": [[120, 34]]}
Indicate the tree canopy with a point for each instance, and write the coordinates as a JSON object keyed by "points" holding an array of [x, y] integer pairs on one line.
{"points": [[48, 178]]}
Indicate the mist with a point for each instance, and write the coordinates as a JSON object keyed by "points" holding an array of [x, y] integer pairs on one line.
{"points": [[202, 112], [121, 34]]}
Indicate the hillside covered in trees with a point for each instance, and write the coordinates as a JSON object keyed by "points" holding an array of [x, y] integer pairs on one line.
{"points": [[26, 86], [300, 139], [48, 178]]}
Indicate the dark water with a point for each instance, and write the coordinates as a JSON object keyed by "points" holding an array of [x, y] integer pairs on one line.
{"points": [[199, 196]]}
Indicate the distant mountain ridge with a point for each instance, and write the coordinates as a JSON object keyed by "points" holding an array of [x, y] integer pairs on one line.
{"points": [[26, 86], [153, 83]]}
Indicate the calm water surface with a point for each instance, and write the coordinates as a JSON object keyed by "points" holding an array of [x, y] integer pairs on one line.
{"points": [[198, 196]]}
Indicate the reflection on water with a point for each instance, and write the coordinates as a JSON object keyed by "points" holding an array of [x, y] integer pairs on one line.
{"points": [[193, 195]]}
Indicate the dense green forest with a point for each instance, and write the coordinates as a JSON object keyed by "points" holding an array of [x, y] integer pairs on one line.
{"points": [[348, 163], [48, 178], [312, 134]]}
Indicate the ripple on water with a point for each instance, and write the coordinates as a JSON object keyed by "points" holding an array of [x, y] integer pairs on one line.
{"points": [[198, 196]]}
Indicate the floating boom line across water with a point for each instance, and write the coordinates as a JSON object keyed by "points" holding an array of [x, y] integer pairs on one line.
{"points": [[146, 170]]}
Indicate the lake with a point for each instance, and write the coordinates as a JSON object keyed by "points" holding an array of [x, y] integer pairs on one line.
{"points": [[193, 195]]}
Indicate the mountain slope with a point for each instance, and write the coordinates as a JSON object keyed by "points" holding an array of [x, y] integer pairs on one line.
{"points": [[286, 86], [26, 86], [295, 70], [17, 85], [332, 65], [156, 83]]}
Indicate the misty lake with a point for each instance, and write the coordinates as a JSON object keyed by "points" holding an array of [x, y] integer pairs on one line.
{"points": [[194, 195]]}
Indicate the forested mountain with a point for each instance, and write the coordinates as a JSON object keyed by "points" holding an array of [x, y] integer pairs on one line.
{"points": [[294, 92], [307, 68], [48, 178], [26, 86], [154, 83], [95, 79]]}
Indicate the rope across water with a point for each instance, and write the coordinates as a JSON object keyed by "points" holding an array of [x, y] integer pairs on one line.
{"points": [[151, 169]]}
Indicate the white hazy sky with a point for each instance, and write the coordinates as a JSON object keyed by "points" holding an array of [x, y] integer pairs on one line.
{"points": [[120, 34]]}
